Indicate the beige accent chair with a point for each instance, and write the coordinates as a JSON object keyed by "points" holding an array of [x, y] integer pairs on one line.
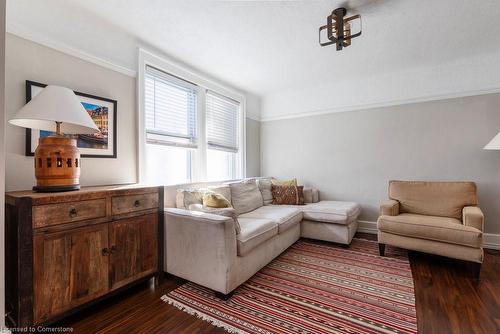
{"points": [[441, 218]]}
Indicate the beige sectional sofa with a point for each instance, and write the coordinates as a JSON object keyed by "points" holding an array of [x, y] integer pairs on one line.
{"points": [[207, 249]]}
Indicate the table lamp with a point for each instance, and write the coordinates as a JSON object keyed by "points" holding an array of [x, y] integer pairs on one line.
{"points": [[57, 160], [494, 144]]}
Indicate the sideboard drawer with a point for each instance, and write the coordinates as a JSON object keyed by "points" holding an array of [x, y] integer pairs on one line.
{"points": [[132, 203], [54, 214]]}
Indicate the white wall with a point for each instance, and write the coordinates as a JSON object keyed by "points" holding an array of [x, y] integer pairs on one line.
{"points": [[461, 77], [253, 106], [352, 155], [253, 147], [2, 164]]}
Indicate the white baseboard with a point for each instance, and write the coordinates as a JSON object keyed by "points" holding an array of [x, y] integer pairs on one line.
{"points": [[491, 240], [365, 226]]}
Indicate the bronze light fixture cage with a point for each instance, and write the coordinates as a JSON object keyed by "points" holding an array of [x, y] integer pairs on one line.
{"points": [[338, 29]]}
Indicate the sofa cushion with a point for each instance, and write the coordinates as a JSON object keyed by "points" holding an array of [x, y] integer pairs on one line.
{"points": [[315, 195], [245, 196], [435, 228], [215, 200], [225, 212], [308, 195], [289, 223], [186, 197], [287, 195], [265, 190], [284, 216], [335, 212], [224, 190], [254, 231], [445, 199], [291, 182]]}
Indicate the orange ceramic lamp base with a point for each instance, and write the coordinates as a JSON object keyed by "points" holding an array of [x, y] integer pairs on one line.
{"points": [[57, 164]]}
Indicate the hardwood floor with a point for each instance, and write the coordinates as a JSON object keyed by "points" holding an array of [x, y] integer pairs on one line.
{"points": [[448, 301]]}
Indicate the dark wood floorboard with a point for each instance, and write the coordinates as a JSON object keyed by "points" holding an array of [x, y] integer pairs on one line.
{"points": [[447, 299]]}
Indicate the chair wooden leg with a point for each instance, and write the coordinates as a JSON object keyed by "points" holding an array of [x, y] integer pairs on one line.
{"points": [[381, 249], [223, 296], [476, 271]]}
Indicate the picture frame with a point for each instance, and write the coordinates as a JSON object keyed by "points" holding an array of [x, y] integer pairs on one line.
{"points": [[102, 110]]}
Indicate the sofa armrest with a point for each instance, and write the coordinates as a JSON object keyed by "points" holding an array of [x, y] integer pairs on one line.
{"points": [[473, 216], [200, 247], [389, 207], [208, 218]]}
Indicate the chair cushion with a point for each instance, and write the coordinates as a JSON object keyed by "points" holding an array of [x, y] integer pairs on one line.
{"points": [[335, 212], [254, 231], [444, 199], [284, 216], [245, 196], [435, 228]]}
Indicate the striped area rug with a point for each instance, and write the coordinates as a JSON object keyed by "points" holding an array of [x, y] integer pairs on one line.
{"points": [[314, 288]]}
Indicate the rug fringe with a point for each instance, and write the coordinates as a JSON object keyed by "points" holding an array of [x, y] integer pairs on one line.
{"points": [[227, 327]]}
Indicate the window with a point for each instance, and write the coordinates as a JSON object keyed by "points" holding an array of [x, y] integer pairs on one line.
{"points": [[222, 116], [168, 165], [170, 106], [190, 128]]}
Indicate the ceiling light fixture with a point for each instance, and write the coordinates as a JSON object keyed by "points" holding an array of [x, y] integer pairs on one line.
{"points": [[338, 29]]}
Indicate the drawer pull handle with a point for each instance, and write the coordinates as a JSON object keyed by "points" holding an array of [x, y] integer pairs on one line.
{"points": [[113, 249], [105, 251], [137, 203], [72, 212]]}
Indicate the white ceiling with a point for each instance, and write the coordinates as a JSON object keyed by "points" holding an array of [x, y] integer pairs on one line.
{"points": [[266, 47]]}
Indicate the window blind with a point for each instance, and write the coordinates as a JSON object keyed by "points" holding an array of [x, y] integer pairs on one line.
{"points": [[222, 115], [170, 109]]}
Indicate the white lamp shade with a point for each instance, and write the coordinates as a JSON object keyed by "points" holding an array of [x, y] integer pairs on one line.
{"points": [[494, 144], [55, 104]]}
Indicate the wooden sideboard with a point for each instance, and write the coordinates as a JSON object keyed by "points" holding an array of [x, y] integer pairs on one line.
{"points": [[67, 250]]}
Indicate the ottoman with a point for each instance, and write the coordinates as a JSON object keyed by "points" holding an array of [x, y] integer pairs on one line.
{"points": [[334, 221]]}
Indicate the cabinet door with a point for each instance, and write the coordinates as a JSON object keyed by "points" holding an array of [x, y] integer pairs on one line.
{"points": [[134, 249], [69, 269]]}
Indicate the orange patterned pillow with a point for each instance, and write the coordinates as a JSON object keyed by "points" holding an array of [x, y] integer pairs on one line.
{"points": [[288, 195]]}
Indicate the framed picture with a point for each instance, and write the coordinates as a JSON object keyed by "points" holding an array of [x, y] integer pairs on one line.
{"points": [[103, 113]]}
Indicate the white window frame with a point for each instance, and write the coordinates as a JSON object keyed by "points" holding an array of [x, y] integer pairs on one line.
{"points": [[204, 83]]}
